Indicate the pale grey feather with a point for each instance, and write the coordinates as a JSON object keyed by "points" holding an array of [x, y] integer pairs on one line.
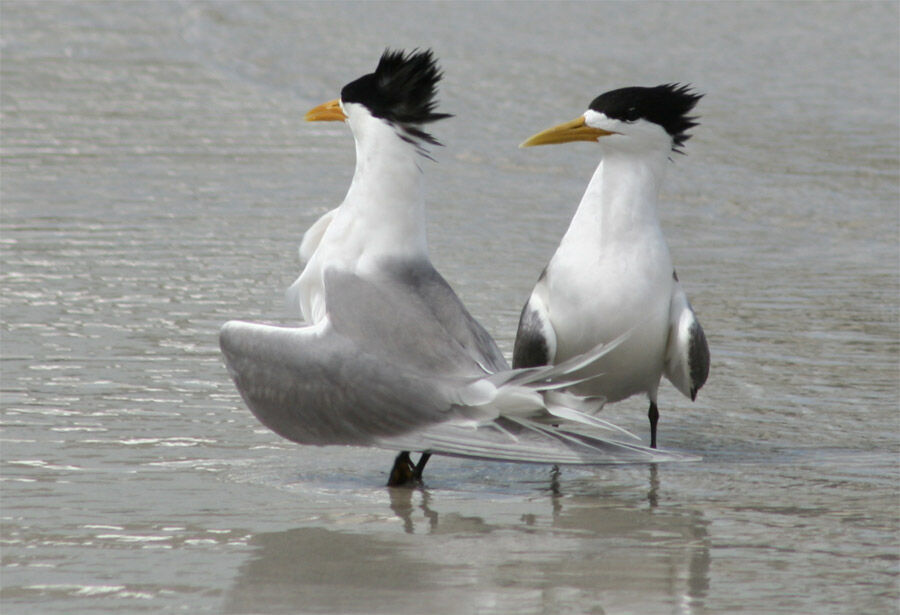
{"points": [[398, 364]]}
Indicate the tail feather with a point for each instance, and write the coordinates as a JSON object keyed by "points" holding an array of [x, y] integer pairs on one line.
{"points": [[537, 393], [562, 374], [526, 441], [563, 410]]}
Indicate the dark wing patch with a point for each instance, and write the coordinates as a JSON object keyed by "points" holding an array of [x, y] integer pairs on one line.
{"points": [[698, 358], [530, 349]]}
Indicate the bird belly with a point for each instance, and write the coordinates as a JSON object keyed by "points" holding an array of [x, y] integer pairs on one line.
{"points": [[596, 305]]}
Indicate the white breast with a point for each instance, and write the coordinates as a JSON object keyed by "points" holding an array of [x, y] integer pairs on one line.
{"points": [[597, 293]]}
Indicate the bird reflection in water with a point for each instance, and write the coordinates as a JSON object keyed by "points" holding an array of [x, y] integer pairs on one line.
{"points": [[581, 549], [403, 501], [403, 507]]}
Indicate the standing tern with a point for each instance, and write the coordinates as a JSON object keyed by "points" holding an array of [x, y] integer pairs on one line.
{"points": [[612, 271], [389, 356]]}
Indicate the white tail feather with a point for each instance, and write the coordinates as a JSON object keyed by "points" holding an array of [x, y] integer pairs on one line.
{"points": [[576, 416]]}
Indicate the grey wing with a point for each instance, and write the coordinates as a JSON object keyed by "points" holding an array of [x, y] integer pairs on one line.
{"points": [[382, 370], [449, 310], [315, 386], [535, 343], [381, 363], [312, 385], [421, 297], [687, 353]]}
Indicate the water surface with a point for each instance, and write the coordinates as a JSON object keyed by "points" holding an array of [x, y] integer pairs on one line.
{"points": [[157, 176]]}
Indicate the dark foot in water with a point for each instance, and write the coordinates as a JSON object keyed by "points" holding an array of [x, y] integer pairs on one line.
{"points": [[653, 415], [405, 473], [417, 473]]}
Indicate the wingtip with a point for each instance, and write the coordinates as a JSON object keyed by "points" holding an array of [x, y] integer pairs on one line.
{"points": [[225, 336], [228, 336]]}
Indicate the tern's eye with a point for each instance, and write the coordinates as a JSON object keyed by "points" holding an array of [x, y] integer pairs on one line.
{"points": [[631, 114]]}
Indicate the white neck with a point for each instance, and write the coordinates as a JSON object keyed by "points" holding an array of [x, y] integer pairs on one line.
{"points": [[621, 198], [382, 217], [384, 208]]}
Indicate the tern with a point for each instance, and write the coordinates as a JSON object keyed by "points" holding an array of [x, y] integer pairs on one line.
{"points": [[388, 356], [612, 271]]}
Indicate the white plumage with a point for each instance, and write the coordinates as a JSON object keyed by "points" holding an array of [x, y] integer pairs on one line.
{"points": [[389, 356], [612, 272]]}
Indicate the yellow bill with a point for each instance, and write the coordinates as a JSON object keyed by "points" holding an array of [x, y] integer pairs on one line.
{"points": [[576, 130], [327, 112]]}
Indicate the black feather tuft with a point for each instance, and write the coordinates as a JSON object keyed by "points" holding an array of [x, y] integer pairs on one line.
{"points": [[401, 91], [667, 105]]}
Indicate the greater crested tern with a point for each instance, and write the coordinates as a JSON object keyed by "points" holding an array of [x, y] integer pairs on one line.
{"points": [[612, 271], [389, 356]]}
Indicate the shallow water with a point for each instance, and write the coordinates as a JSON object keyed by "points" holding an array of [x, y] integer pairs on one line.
{"points": [[157, 177]]}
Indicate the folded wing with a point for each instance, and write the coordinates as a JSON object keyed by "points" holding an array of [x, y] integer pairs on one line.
{"points": [[687, 353]]}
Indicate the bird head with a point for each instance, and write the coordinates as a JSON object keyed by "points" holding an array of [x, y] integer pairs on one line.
{"points": [[635, 117], [401, 92]]}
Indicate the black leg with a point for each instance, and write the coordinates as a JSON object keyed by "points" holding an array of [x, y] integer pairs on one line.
{"points": [[417, 472], [653, 415], [403, 471]]}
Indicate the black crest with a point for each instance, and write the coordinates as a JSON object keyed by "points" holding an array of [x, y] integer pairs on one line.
{"points": [[667, 105], [400, 91]]}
